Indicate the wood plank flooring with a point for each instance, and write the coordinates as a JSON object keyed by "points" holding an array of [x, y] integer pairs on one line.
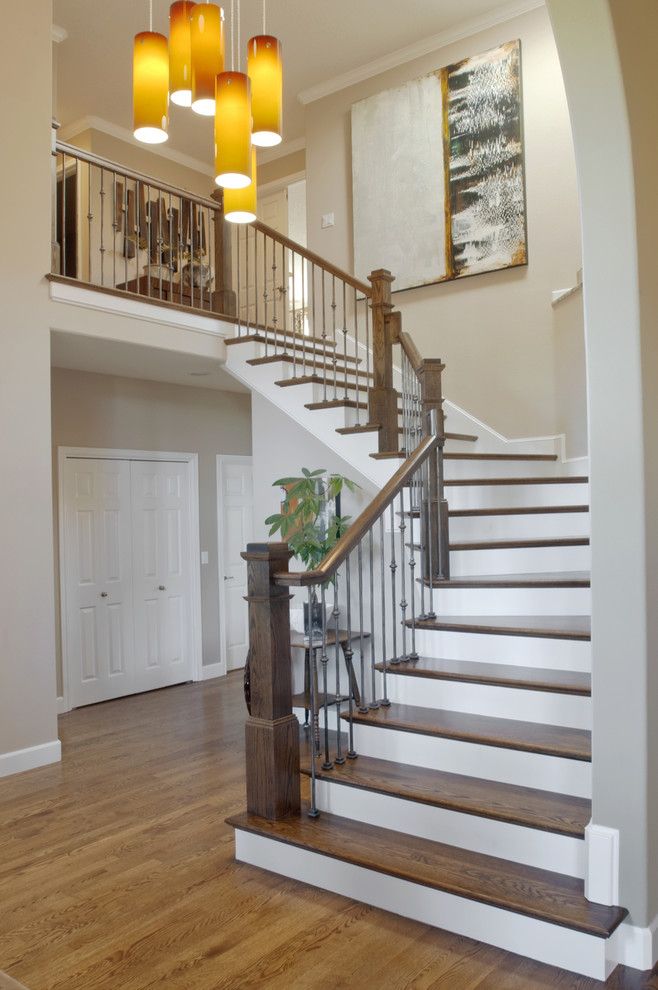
{"points": [[117, 873]]}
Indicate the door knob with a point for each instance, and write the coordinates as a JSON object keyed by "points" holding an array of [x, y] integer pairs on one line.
{"points": [[103, 594], [161, 587], [229, 577]]}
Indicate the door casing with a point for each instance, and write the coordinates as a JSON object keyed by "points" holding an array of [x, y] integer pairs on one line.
{"points": [[223, 459]]}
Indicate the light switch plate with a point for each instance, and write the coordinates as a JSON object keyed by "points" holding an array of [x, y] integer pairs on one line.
{"points": [[204, 556], [328, 220]]}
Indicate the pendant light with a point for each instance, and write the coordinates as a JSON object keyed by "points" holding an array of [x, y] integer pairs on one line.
{"points": [[180, 53], [150, 85], [207, 40], [265, 69], [233, 123], [240, 204]]}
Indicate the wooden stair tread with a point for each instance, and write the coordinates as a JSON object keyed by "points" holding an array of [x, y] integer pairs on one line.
{"points": [[551, 480], [386, 455], [337, 404], [549, 541], [277, 338], [546, 579], [526, 890], [498, 674], [352, 386], [311, 358], [468, 456], [543, 810], [576, 627], [347, 431], [486, 730], [515, 510]]}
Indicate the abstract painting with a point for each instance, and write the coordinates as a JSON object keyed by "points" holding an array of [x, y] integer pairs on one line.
{"points": [[438, 187]]}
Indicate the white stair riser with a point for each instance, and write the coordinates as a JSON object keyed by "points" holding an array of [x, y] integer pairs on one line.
{"points": [[507, 930], [512, 601], [518, 527], [545, 850], [509, 766], [519, 560], [548, 708], [500, 469], [507, 496], [527, 651]]}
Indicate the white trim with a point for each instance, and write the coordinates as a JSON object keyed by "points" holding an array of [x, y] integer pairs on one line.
{"points": [[30, 758], [90, 298], [419, 48], [58, 34], [211, 670], [93, 453], [69, 131], [634, 946], [221, 460], [530, 937], [602, 873], [282, 150]]}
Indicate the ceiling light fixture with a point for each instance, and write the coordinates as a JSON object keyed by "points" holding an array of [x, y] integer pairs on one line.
{"points": [[233, 120], [240, 204], [180, 53], [207, 31], [150, 85], [265, 69]]}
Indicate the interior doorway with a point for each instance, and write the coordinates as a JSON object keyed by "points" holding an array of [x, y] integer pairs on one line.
{"points": [[235, 526]]}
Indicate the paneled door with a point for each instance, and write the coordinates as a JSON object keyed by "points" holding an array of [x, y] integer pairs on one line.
{"points": [[236, 521], [161, 573], [97, 575]]}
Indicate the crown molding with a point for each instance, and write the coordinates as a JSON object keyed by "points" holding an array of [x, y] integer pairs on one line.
{"points": [[69, 131], [416, 50], [281, 150]]}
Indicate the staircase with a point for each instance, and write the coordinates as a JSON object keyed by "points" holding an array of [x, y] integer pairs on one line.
{"points": [[452, 784]]}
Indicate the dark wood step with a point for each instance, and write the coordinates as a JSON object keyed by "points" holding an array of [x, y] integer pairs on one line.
{"points": [[552, 541], [352, 386], [525, 890], [543, 810], [548, 579], [497, 674], [387, 455], [311, 358], [277, 339], [553, 480], [485, 730], [348, 431], [572, 627], [467, 456], [515, 510], [342, 403]]}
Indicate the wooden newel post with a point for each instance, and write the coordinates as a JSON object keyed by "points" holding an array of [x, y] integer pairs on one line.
{"points": [[382, 397], [272, 731], [429, 375], [223, 297]]}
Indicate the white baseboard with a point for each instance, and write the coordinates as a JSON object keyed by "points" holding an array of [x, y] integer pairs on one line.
{"points": [[633, 946], [28, 759], [211, 670], [602, 873]]}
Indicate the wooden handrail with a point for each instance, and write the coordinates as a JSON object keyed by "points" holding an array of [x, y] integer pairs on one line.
{"points": [[410, 349], [362, 525], [313, 258]]}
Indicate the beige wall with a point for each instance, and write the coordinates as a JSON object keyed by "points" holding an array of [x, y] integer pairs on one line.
{"points": [[90, 410], [494, 331], [571, 372], [282, 168], [27, 638]]}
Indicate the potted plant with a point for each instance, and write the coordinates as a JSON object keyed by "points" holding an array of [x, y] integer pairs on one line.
{"points": [[311, 524]]}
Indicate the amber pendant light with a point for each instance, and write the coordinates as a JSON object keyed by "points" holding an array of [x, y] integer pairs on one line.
{"points": [[207, 35], [265, 69], [240, 204], [150, 85], [180, 53], [233, 122]]}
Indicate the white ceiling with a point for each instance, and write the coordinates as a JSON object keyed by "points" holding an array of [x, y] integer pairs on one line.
{"points": [[111, 357], [321, 39]]}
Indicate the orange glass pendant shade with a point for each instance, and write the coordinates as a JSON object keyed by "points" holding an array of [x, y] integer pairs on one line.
{"points": [[265, 69], [207, 40], [180, 53], [150, 87], [233, 130], [240, 204]]}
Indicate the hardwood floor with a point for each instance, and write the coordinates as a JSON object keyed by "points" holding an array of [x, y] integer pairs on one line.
{"points": [[117, 873]]}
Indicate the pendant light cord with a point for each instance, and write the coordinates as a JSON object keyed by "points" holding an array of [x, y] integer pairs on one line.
{"points": [[238, 34], [264, 2], [232, 35], [151, 16]]}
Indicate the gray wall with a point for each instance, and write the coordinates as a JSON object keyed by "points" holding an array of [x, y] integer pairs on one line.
{"points": [[91, 410]]}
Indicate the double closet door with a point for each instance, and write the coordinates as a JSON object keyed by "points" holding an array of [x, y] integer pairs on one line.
{"points": [[128, 576]]}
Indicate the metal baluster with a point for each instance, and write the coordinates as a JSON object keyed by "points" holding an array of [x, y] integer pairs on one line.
{"points": [[274, 308], [422, 535], [304, 301], [239, 282], [62, 259], [313, 811], [90, 217], [367, 309], [115, 227], [256, 285], [324, 340], [246, 266], [345, 339], [349, 653], [371, 555], [429, 534], [265, 299], [125, 231], [284, 297], [393, 566], [170, 252], [335, 614], [403, 576], [359, 556], [412, 570], [333, 333], [102, 247], [294, 325], [76, 224], [327, 764], [382, 544], [356, 354]]}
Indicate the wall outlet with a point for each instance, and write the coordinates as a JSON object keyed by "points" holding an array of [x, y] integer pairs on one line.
{"points": [[204, 556], [328, 220]]}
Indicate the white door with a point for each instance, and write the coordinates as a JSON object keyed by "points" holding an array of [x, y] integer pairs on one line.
{"points": [[236, 520], [98, 585], [162, 580]]}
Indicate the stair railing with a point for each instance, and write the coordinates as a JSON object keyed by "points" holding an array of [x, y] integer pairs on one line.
{"points": [[362, 601]]}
